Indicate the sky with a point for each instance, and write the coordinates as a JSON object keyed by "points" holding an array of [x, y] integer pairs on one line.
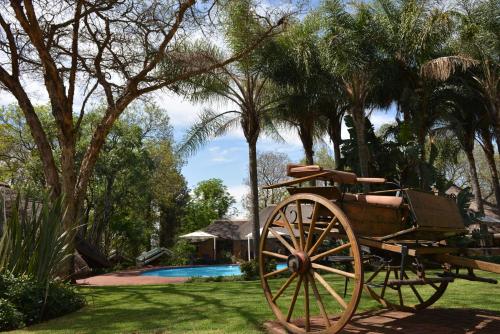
{"points": [[226, 157]]}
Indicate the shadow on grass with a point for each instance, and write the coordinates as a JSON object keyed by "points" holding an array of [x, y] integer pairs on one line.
{"points": [[437, 321], [179, 308]]}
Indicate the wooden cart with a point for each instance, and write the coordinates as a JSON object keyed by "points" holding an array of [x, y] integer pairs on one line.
{"points": [[394, 244]]}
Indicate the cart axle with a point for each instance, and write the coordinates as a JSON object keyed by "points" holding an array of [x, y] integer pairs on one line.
{"points": [[420, 281]]}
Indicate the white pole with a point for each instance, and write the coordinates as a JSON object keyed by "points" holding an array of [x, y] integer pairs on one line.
{"points": [[215, 248], [248, 247]]}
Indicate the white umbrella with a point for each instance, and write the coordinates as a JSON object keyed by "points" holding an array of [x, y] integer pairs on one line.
{"points": [[250, 236], [200, 235]]}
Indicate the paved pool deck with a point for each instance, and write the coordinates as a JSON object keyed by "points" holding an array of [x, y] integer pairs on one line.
{"points": [[128, 277]]}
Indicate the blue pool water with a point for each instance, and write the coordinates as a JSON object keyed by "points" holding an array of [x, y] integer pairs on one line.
{"points": [[200, 271]]}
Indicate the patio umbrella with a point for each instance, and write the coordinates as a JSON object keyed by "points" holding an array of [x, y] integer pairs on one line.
{"points": [[201, 236], [250, 236]]}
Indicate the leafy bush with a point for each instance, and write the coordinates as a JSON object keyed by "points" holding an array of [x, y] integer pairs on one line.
{"points": [[10, 317], [36, 301], [183, 253], [250, 269]]}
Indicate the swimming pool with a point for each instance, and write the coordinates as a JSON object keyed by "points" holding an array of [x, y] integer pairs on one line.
{"points": [[200, 271]]}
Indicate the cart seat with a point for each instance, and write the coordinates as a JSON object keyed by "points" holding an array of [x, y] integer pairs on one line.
{"points": [[390, 201]]}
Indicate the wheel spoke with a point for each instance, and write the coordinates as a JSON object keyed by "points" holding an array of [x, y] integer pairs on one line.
{"points": [[375, 273], [322, 236], [311, 227], [282, 240], [276, 272], [328, 288], [286, 285], [319, 300], [306, 303], [279, 256], [290, 230], [400, 295], [415, 291], [301, 224], [334, 271], [294, 299], [385, 283], [330, 252]]}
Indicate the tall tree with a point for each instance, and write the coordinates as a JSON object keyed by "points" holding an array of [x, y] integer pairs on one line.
{"points": [[243, 84], [103, 49], [462, 118], [351, 45], [210, 200]]}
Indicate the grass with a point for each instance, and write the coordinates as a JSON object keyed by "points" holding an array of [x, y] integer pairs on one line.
{"points": [[212, 307]]}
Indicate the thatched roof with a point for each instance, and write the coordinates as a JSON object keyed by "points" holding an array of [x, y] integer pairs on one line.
{"points": [[230, 229]]}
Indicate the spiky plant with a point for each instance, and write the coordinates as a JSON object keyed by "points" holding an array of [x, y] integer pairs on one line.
{"points": [[34, 241]]}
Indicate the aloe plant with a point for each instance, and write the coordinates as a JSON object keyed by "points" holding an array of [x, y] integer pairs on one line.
{"points": [[34, 241]]}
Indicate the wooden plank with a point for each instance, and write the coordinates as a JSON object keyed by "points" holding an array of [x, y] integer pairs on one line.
{"points": [[412, 251], [468, 263], [299, 180]]}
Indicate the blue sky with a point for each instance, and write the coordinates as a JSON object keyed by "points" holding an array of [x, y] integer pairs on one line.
{"points": [[227, 157]]}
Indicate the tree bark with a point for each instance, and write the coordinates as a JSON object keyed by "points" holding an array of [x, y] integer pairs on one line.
{"points": [[358, 116], [306, 137], [254, 192], [334, 132], [489, 152], [476, 190]]}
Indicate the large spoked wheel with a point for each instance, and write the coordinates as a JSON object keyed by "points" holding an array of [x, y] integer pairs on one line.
{"points": [[319, 271], [412, 291]]}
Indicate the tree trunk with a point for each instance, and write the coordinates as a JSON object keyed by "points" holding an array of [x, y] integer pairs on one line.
{"points": [[254, 193], [489, 152], [358, 116], [423, 182], [476, 190], [334, 132], [306, 137]]}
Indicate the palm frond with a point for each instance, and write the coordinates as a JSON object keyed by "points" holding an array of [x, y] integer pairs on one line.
{"points": [[209, 125], [444, 67]]}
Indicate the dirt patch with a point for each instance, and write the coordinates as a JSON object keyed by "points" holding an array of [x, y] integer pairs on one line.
{"points": [[432, 321]]}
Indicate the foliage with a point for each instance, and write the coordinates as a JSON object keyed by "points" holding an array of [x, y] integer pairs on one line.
{"points": [[10, 317], [183, 253], [34, 241], [38, 301], [210, 200], [250, 269]]}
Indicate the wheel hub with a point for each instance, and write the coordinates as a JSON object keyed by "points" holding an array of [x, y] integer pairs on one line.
{"points": [[298, 262]]}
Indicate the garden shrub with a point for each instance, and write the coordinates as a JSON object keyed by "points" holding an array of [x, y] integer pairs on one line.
{"points": [[36, 301], [250, 269], [182, 253], [10, 317]]}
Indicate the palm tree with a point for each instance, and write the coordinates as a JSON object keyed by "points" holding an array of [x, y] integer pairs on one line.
{"points": [[242, 84], [351, 42], [416, 32], [300, 80], [249, 91], [475, 52], [460, 115]]}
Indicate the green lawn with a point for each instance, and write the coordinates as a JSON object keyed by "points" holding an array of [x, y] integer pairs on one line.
{"points": [[221, 307]]}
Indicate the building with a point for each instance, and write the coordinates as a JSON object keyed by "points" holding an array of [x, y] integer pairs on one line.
{"points": [[232, 238]]}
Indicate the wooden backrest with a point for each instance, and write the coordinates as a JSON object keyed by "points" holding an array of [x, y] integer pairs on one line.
{"points": [[434, 211]]}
